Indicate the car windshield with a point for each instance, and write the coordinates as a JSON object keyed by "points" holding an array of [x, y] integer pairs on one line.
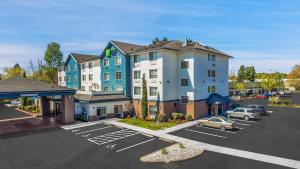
{"points": [[226, 119]]}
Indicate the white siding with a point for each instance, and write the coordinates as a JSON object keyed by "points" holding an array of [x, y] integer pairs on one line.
{"points": [[109, 107], [95, 71]]}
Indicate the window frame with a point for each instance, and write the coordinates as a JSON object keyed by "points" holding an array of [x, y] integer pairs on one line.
{"points": [[184, 64], [182, 80], [116, 60], [139, 89], [153, 94], [105, 62], [116, 75], [135, 73], [151, 75], [184, 101], [104, 75]]}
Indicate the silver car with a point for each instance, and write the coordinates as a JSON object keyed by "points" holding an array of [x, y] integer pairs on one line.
{"points": [[244, 113]]}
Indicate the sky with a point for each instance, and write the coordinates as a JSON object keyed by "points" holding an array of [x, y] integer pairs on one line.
{"points": [[264, 34]]}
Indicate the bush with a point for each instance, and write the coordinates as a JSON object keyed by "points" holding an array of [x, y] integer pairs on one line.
{"points": [[162, 118], [181, 146], [177, 116], [274, 100], [164, 151], [29, 108], [188, 117], [286, 102]]}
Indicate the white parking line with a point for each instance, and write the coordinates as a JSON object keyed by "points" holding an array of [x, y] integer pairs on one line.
{"points": [[135, 145], [93, 130], [216, 129], [205, 133], [245, 121], [114, 136], [243, 124]]}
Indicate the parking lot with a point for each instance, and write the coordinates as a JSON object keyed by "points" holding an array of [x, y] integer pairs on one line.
{"points": [[277, 134], [10, 112]]}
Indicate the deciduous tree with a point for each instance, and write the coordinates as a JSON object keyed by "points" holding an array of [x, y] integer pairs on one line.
{"points": [[294, 77]]}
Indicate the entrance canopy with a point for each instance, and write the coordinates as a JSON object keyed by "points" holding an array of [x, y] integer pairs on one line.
{"points": [[216, 98], [22, 87]]}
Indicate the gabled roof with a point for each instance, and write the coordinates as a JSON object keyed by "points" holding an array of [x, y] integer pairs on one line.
{"points": [[125, 48], [83, 57], [179, 46]]}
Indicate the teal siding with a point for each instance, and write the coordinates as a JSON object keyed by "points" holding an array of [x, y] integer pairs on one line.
{"points": [[72, 76], [124, 68]]}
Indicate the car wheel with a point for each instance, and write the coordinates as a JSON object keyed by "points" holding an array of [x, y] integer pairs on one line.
{"points": [[223, 128], [201, 124], [246, 118], [228, 115]]}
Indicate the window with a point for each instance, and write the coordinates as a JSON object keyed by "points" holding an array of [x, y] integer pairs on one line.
{"points": [[118, 61], [137, 90], [101, 111], [119, 88], [137, 74], [83, 66], [83, 88], [135, 58], [106, 76], [153, 73], [74, 67], [184, 82], [106, 62], [60, 79], [211, 57], [69, 68], [211, 73], [211, 89], [105, 89], [118, 109], [153, 56], [184, 64], [90, 77], [184, 99], [118, 75], [83, 77], [90, 88], [90, 65], [153, 91]]}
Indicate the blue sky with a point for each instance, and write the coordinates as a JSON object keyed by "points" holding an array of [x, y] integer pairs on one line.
{"points": [[261, 33]]}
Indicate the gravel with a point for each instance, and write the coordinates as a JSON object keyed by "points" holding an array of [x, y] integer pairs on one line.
{"points": [[174, 153]]}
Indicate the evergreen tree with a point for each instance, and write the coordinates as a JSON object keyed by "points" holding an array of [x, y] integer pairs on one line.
{"points": [[144, 98], [241, 73], [164, 39]]}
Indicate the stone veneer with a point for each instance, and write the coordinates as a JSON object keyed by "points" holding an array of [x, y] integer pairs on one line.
{"points": [[196, 109]]}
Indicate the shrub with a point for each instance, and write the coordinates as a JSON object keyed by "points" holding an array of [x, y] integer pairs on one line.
{"points": [[274, 100], [181, 146], [286, 102], [162, 118], [164, 151], [177, 116], [188, 117]]}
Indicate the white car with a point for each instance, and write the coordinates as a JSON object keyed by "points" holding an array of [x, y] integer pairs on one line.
{"points": [[16, 102], [244, 113]]}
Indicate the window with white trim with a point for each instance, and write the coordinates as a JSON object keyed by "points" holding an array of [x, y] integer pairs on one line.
{"points": [[101, 111], [153, 91], [90, 77], [106, 62], [83, 77], [118, 75], [211, 89], [137, 91], [153, 73], [137, 74], [106, 76], [118, 60], [184, 64], [153, 56]]}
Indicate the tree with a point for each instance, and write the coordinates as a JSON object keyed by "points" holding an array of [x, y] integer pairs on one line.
{"points": [[240, 86], [144, 98], [294, 77], [53, 58], [53, 55], [156, 40], [15, 71], [250, 73], [164, 39], [272, 81], [241, 74]]}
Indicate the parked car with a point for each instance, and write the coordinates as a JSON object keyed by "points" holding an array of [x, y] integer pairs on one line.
{"points": [[261, 96], [243, 112], [219, 122], [16, 102], [236, 98], [260, 108]]}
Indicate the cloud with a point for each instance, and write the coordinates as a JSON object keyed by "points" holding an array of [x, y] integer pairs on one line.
{"points": [[11, 54]]}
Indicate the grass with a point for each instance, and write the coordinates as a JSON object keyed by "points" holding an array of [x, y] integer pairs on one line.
{"points": [[150, 124], [285, 105]]}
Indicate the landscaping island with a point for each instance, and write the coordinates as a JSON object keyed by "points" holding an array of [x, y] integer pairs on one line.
{"points": [[151, 124]]}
